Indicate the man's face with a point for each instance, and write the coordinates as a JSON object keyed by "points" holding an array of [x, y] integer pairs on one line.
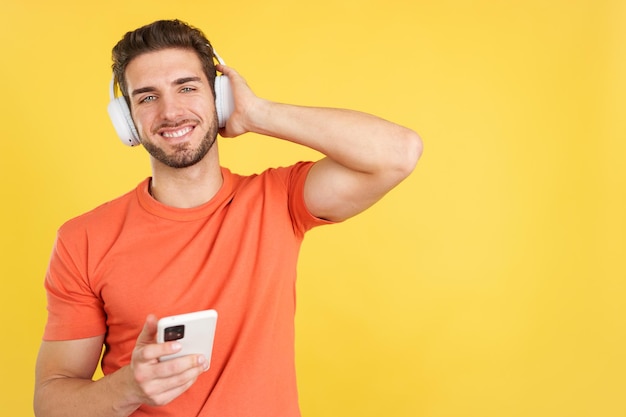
{"points": [[172, 106]]}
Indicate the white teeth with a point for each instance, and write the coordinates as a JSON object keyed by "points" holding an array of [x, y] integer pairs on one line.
{"points": [[177, 133]]}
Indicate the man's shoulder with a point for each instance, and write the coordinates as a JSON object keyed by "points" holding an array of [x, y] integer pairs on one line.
{"points": [[101, 216], [281, 174]]}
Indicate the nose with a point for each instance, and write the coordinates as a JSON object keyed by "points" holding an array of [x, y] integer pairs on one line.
{"points": [[170, 108]]}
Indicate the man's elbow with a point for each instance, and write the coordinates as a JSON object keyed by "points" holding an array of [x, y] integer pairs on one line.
{"points": [[410, 151]]}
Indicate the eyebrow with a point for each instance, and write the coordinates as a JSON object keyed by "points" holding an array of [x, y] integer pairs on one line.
{"points": [[178, 81]]}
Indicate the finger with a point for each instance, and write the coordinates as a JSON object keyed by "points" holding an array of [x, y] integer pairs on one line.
{"points": [[148, 332], [167, 390], [148, 371], [232, 74], [146, 348], [182, 365], [224, 69], [173, 377], [154, 351]]}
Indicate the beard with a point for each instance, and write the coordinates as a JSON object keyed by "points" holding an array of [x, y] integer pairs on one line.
{"points": [[183, 155]]}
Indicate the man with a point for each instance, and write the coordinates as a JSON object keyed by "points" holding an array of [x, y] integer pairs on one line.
{"points": [[195, 236]]}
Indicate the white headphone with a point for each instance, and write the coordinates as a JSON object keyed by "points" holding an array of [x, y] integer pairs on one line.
{"points": [[123, 121]]}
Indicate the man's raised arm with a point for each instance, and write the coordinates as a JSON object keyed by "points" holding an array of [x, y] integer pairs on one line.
{"points": [[366, 156]]}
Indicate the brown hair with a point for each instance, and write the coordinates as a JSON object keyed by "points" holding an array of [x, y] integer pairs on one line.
{"points": [[159, 35]]}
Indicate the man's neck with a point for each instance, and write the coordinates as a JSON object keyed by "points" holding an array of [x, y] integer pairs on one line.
{"points": [[186, 187]]}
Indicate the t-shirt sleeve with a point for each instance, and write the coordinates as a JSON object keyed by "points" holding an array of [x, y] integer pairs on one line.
{"points": [[301, 217], [74, 311]]}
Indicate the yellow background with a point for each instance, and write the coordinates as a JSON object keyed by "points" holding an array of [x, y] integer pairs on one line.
{"points": [[490, 283]]}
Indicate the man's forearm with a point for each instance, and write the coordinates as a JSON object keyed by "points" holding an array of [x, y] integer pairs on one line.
{"points": [[78, 397]]}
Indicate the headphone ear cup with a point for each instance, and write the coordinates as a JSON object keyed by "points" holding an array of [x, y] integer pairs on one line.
{"points": [[123, 122], [224, 101]]}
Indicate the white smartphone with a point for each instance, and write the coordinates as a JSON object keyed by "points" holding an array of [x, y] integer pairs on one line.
{"points": [[194, 331]]}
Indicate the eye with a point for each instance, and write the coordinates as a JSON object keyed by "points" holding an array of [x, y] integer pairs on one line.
{"points": [[187, 89], [147, 99]]}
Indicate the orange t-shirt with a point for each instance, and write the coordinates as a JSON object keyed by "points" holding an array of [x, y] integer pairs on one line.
{"points": [[237, 254]]}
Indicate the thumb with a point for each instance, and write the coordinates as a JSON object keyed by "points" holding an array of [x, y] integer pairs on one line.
{"points": [[148, 333]]}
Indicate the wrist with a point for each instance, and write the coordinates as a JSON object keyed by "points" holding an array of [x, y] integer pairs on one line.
{"points": [[259, 116], [125, 399]]}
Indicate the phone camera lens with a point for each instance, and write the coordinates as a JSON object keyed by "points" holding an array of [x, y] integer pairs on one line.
{"points": [[174, 333]]}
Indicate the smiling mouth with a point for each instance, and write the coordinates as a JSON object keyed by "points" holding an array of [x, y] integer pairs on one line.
{"points": [[177, 133]]}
